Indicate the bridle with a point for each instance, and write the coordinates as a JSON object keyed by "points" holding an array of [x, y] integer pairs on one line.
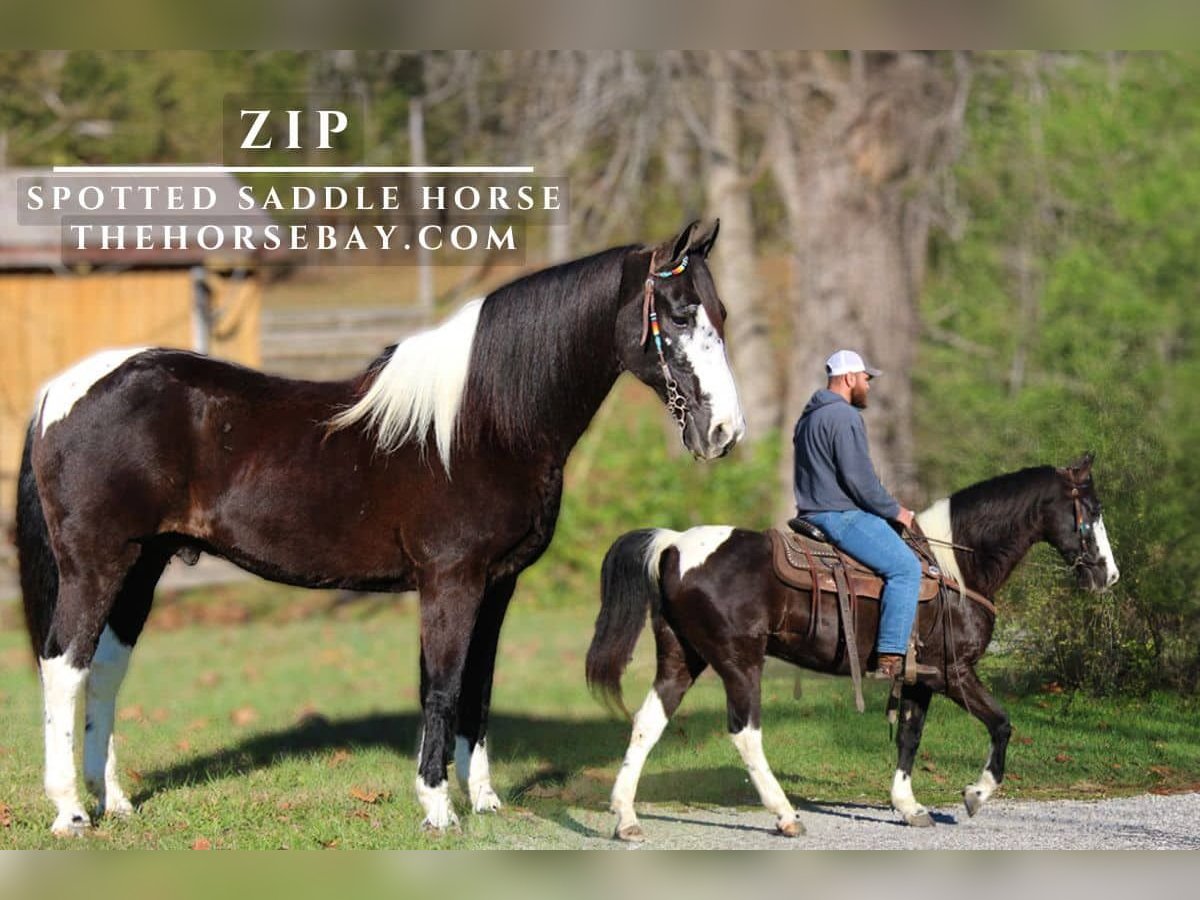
{"points": [[676, 404], [1084, 529]]}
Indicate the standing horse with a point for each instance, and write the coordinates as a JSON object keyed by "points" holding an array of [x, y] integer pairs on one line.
{"points": [[715, 601], [439, 468]]}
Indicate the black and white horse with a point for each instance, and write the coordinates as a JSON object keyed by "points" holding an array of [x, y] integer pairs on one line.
{"points": [[714, 601], [439, 468]]}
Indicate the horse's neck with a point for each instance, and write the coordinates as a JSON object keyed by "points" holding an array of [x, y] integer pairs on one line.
{"points": [[547, 364], [997, 547]]}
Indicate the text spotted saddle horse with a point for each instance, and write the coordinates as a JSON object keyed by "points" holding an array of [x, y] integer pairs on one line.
{"points": [[803, 558]]}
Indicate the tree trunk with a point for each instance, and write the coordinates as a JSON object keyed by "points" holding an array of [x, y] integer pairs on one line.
{"points": [[735, 260], [856, 183]]}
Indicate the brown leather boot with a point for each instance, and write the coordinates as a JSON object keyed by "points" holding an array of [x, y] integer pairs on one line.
{"points": [[889, 667]]}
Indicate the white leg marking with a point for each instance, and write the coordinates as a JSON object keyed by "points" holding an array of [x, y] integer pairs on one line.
{"points": [[705, 353], [60, 690], [935, 522], [421, 386], [474, 774], [1106, 552], [903, 800], [984, 787], [99, 753], [648, 727], [749, 744], [439, 813], [61, 393], [697, 544]]}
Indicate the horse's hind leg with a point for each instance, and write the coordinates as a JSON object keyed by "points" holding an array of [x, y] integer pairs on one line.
{"points": [[678, 668], [969, 693], [741, 670], [470, 746], [109, 665], [914, 703], [82, 607]]}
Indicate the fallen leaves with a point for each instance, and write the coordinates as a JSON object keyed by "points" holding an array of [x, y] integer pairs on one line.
{"points": [[243, 716], [337, 757], [365, 795], [6, 818], [201, 844]]}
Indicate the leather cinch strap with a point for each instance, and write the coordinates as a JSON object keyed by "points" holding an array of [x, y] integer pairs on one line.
{"points": [[848, 635]]}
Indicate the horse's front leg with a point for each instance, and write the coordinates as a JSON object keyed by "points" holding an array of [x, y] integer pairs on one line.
{"points": [[969, 693], [470, 746], [450, 601], [914, 703]]}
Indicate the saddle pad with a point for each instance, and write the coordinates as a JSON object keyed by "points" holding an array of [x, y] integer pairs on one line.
{"points": [[791, 554]]}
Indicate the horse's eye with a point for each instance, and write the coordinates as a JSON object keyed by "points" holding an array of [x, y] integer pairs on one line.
{"points": [[679, 319]]}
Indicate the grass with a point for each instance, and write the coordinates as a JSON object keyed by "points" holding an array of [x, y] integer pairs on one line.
{"points": [[287, 731]]}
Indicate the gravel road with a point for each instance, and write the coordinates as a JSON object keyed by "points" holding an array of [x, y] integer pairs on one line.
{"points": [[1144, 822]]}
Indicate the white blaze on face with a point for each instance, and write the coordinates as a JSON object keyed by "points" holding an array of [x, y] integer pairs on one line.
{"points": [[1106, 552], [59, 395], [697, 544], [705, 353]]}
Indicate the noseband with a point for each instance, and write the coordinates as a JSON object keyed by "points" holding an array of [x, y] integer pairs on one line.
{"points": [[676, 404]]}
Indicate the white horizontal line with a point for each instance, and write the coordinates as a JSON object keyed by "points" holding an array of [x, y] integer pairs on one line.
{"points": [[332, 170]]}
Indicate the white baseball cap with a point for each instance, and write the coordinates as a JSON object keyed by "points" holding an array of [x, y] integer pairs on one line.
{"points": [[843, 362]]}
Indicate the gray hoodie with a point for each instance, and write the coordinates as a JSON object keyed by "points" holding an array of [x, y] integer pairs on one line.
{"points": [[833, 469]]}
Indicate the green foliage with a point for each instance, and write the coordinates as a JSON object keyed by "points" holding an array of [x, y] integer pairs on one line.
{"points": [[630, 471], [1072, 295]]}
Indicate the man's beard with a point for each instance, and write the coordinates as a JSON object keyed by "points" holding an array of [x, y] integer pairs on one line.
{"points": [[858, 396]]}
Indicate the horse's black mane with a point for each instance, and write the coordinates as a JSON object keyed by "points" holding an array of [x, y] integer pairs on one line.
{"points": [[1001, 518], [542, 352]]}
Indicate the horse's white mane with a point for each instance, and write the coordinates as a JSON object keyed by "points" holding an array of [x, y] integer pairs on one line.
{"points": [[421, 385]]}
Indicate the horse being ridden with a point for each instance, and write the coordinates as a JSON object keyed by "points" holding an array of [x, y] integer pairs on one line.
{"points": [[440, 469], [714, 600]]}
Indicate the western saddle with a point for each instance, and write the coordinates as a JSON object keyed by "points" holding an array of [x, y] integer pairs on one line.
{"points": [[803, 557]]}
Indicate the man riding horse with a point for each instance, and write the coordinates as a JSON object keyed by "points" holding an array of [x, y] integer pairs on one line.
{"points": [[838, 490]]}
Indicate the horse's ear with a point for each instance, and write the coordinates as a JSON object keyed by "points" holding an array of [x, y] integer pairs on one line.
{"points": [[704, 243], [1080, 470], [678, 247]]}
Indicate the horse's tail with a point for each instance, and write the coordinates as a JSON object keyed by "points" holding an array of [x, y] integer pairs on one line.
{"points": [[39, 569], [629, 588]]}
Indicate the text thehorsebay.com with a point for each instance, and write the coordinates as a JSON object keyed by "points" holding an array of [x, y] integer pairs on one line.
{"points": [[115, 215]]}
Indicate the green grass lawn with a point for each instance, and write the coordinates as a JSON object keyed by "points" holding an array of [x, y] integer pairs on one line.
{"points": [[290, 731]]}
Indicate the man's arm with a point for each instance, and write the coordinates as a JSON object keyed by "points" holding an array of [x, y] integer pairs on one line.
{"points": [[857, 472]]}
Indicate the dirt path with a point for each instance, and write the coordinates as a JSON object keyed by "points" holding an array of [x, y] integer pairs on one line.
{"points": [[1143, 822]]}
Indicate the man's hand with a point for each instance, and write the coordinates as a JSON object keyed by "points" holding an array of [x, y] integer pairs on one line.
{"points": [[905, 517]]}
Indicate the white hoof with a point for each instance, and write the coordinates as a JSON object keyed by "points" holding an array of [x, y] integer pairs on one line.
{"points": [[120, 807], [71, 824], [439, 812], [919, 819], [973, 799], [630, 834], [486, 800], [790, 828]]}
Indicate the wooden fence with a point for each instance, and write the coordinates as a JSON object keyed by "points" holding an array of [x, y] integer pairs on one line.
{"points": [[324, 343]]}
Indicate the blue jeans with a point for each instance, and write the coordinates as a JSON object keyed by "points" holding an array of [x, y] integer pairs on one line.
{"points": [[871, 541]]}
